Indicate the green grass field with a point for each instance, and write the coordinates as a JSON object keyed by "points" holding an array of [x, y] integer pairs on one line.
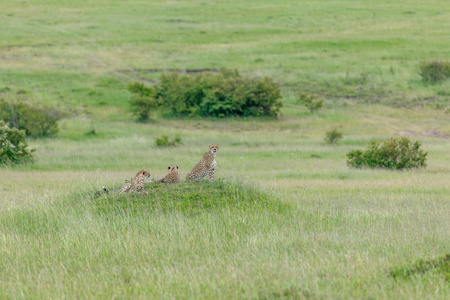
{"points": [[286, 218]]}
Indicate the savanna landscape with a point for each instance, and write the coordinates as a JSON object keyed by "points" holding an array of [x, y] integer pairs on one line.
{"points": [[286, 217]]}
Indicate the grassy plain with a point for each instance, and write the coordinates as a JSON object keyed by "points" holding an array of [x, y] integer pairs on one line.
{"points": [[301, 225]]}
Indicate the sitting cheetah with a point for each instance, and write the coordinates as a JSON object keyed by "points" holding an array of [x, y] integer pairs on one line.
{"points": [[205, 166], [172, 177], [137, 185]]}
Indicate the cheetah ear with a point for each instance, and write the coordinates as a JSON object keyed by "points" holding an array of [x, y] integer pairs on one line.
{"points": [[168, 168], [177, 167]]}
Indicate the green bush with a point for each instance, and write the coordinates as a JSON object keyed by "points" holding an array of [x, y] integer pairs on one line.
{"points": [[36, 121], [394, 153], [213, 95], [332, 136], [164, 141], [13, 146], [311, 101], [435, 71], [144, 101]]}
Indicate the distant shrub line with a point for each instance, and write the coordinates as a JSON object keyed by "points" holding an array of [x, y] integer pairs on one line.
{"points": [[394, 153], [207, 94]]}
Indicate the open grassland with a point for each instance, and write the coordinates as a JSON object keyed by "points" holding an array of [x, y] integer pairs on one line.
{"points": [[369, 50], [286, 218]]}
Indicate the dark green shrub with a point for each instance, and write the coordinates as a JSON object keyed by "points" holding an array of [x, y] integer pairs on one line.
{"points": [[37, 121], [144, 102], [394, 153], [332, 136], [164, 141], [311, 101], [435, 71], [13, 146], [214, 95]]}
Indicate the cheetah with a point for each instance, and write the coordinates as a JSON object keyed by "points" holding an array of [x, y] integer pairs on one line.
{"points": [[205, 166], [137, 185], [172, 177]]}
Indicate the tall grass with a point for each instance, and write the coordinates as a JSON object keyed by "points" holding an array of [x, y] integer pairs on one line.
{"points": [[223, 240]]}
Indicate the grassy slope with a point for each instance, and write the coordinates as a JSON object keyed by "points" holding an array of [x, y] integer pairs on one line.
{"points": [[339, 231]]}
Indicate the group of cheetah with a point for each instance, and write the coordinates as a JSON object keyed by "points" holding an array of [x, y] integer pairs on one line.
{"points": [[204, 167]]}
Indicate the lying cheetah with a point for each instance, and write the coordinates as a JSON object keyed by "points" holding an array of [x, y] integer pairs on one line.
{"points": [[172, 177], [205, 166], [137, 185]]}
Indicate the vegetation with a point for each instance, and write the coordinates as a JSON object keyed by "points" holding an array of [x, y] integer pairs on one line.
{"points": [[164, 141], [291, 219], [394, 153], [327, 59], [189, 200], [209, 94], [333, 136], [311, 101], [144, 102], [325, 240], [440, 265], [13, 145], [36, 121], [435, 71]]}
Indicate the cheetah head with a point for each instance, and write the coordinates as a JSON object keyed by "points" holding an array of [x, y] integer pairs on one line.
{"points": [[213, 148], [143, 173], [172, 167]]}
